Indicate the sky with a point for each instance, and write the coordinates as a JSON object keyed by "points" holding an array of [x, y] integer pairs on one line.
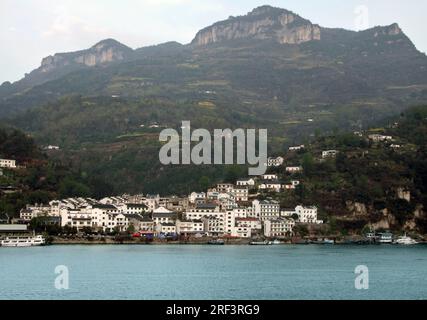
{"points": [[33, 29]]}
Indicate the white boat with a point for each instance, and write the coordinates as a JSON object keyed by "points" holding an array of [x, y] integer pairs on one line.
{"points": [[405, 240], [261, 243], [276, 242], [29, 241], [385, 237]]}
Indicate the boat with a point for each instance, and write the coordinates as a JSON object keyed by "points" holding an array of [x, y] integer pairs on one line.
{"points": [[385, 238], [261, 243], [276, 242], [23, 241], [217, 242], [405, 240], [323, 241]]}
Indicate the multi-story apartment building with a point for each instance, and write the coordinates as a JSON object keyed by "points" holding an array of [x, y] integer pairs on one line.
{"points": [[278, 228], [266, 209]]}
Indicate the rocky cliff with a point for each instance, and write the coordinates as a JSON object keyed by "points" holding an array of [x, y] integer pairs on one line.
{"points": [[106, 51], [265, 22]]}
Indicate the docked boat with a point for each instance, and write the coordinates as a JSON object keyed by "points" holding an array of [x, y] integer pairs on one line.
{"points": [[276, 242], [323, 241], [405, 240], [261, 243], [217, 242], [385, 238], [328, 241], [23, 241]]}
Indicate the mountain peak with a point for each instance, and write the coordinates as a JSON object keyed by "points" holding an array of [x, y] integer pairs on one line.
{"points": [[265, 22], [392, 30], [108, 43], [105, 51], [266, 9]]}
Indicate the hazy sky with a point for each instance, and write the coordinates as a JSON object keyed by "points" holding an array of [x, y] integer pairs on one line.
{"points": [[33, 29]]}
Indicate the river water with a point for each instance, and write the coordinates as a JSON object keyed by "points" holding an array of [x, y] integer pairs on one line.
{"points": [[213, 272]]}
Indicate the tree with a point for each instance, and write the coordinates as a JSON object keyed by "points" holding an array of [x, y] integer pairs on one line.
{"points": [[402, 210], [204, 182], [131, 229], [308, 163], [301, 230]]}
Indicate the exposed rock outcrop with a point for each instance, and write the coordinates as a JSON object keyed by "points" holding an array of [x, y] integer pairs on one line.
{"points": [[265, 22], [106, 51]]}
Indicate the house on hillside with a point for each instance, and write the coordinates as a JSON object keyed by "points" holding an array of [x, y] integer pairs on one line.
{"points": [[7, 163]]}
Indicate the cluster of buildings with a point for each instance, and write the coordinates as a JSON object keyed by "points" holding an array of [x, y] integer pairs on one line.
{"points": [[234, 210], [8, 163], [227, 210]]}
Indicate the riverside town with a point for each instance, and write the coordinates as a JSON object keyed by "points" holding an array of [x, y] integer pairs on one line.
{"points": [[244, 212]]}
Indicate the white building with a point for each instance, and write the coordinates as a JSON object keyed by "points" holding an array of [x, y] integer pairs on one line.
{"points": [[133, 208], [76, 218], [214, 226], [31, 212], [271, 185], [166, 228], [297, 148], [194, 196], [230, 219], [307, 215], [266, 210], [163, 215], [189, 227], [293, 169], [224, 187], [278, 228], [252, 223], [287, 213], [380, 138], [152, 202], [270, 176], [140, 222], [204, 210], [7, 163], [50, 147], [243, 232], [249, 182], [275, 162], [329, 154], [240, 194]]}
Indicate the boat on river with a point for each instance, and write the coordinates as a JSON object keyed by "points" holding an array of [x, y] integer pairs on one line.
{"points": [[23, 241], [405, 240]]}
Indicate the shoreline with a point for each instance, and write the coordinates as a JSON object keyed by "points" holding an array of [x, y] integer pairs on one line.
{"points": [[205, 243]]}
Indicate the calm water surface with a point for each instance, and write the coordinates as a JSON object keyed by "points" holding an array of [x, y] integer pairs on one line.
{"points": [[210, 272]]}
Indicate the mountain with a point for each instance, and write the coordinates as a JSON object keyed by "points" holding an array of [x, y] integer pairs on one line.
{"points": [[106, 51], [268, 69], [53, 67], [264, 22]]}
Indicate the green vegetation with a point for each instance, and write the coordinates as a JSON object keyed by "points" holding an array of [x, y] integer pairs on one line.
{"points": [[37, 179], [366, 175]]}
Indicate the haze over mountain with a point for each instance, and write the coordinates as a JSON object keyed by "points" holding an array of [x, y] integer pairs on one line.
{"points": [[268, 69]]}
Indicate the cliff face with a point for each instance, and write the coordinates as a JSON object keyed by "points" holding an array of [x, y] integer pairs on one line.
{"points": [[106, 51], [266, 22]]}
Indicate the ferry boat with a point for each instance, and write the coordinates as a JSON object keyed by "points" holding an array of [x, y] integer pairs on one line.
{"points": [[323, 241], [261, 243], [405, 240], [385, 237], [328, 241], [22, 241], [217, 242]]}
